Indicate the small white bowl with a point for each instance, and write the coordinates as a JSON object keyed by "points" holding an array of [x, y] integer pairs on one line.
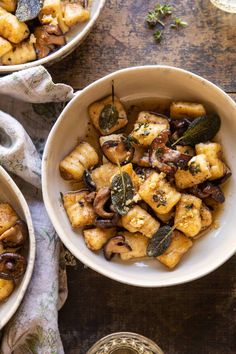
{"points": [[9, 192], [158, 82], [73, 38]]}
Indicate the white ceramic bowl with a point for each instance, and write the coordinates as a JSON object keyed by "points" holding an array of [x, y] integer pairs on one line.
{"points": [[73, 38], [9, 192], [158, 82]]}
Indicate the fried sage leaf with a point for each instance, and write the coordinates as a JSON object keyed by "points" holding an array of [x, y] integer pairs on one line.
{"points": [[108, 117], [200, 130], [28, 9], [160, 241], [122, 193]]}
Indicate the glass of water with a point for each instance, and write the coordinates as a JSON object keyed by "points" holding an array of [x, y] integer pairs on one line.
{"points": [[225, 5]]}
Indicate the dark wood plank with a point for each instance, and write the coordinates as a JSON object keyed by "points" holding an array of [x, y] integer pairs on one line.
{"points": [[120, 39], [194, 318]]}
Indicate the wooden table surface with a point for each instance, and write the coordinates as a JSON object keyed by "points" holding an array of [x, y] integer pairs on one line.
{"points": [[195, 318]]}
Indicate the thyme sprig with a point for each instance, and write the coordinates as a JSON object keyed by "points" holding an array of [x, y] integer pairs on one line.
{"points": [[178, 22], [156, 17]]}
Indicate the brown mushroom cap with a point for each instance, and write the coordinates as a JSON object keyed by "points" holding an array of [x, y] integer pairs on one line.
{"points": [[115, 245], [88, 181], [12, 265], [100, 200], [16, 235], [165, 159], [208, 189], [44, 40], [107, 223], [118, 150]]}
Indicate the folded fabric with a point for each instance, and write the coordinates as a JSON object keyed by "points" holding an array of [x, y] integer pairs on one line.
{"points": [[34, 328]]}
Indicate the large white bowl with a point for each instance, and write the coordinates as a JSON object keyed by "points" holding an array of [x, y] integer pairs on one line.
{"points": [[73, 38], [9, 192], [210, 251]]}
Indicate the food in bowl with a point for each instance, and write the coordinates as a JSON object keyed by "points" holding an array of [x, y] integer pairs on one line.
{"points": [[145, 187], [31, 30], [13, 239]]}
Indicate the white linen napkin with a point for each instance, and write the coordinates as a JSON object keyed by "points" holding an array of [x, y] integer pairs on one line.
{"points": [[34, 328]]}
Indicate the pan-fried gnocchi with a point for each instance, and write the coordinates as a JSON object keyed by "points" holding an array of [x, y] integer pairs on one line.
{"points": [[148, 190], [13, 237], [33, 32]]}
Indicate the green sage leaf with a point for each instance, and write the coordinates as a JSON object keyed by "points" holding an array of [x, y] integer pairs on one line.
{"points": [[160, 241], [200, 130], [122, 193], [108, 117]]}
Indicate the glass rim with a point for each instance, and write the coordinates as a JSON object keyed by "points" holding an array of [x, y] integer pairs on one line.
{"points": [[137, 338]]}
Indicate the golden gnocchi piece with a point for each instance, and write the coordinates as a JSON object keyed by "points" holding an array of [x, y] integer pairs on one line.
{"points": [[20, 54], [51, 13], [95, 110], [158, 193], [185, 149], [6, 288], [74, 13], [79, 211], [206, 217], [11, 28], [147, 117], [133, 176], [213, 153], [179, 245], [8, 5], [165, 217], [198, 172], [138, 244], [96, 238], [186, 109], [139, 220], [8, 217], [83, 157], [103, 174], [141, 156], [188, 215], [146, 132], [5, 46]]}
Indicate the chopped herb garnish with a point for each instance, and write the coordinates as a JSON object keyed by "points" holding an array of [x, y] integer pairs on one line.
{"points": [[194, 168], [160, 198], [159, 151], [189, 206]]}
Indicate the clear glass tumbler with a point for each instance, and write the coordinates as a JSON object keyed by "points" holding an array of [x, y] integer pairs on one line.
{"points": [[125, 343], [225, 5]]}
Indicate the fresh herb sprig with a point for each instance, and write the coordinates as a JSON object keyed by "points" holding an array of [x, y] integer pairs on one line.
{"points": [[158, 35], [160, 11], [163, 10], [178, 22], [156, 17]]}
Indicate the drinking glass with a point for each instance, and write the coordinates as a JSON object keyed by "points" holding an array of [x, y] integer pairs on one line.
{"points": [[225, 5], [125, 343]]}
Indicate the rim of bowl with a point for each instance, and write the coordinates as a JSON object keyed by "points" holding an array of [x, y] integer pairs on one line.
{"points": [[56, 223], [32, 246], [60, 53]]}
